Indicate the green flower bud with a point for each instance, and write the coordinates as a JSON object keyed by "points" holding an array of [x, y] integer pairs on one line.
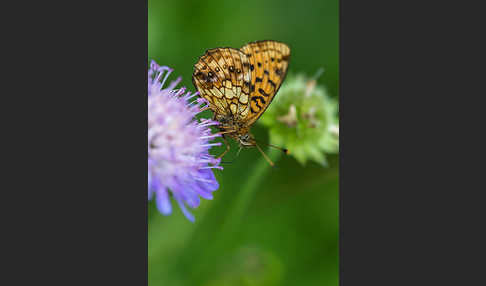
{"points": [[303, 119]]}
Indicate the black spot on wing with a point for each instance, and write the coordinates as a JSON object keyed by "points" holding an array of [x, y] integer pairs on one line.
{"points": [[256, 98], [272, 84], [260, 98], [262, 92]]}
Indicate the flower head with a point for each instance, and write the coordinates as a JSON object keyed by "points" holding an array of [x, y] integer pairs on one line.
{"points": [[303, 118], [179, 162]]}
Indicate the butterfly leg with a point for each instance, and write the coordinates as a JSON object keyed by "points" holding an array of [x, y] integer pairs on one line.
{"points": [[227, 147], [225, 132]]}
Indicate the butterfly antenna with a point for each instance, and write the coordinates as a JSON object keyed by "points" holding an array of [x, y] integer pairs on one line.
{"points": [[265, 155], [286, 151]]}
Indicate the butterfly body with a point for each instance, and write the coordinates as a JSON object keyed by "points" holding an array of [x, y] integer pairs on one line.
{"points": [[235, 129], [240, 84]]}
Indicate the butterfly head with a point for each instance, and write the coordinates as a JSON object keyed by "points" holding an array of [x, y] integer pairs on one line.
{"points": [[246, 140]]}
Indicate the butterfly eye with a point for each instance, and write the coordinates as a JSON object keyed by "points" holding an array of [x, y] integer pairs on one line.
{"points": [[210, 74]]}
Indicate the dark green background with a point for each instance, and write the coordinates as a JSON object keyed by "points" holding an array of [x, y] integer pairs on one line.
{"points": [[265, 226]]}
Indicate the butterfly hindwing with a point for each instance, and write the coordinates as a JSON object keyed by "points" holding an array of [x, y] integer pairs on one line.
{"points": [[268, 62]]}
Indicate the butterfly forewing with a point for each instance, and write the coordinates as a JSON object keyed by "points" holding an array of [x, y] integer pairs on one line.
{"points": [[220, 78], [268, 65]]}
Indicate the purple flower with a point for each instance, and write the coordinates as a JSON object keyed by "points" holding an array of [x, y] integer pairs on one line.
{"points": [[178, 159]]}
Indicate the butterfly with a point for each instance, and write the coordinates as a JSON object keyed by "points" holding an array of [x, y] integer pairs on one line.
{"points": [[239, 85]]}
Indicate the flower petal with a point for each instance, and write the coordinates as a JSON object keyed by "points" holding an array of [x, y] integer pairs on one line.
{"points": [[209, 181], [162, 201], [188, 215], [178, 145]]}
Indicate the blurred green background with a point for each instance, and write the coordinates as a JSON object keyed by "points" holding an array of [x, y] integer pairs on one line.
{"points": [[265, 226]]}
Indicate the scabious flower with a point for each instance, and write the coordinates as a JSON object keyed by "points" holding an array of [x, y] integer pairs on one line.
{"points": [[179, 163], [303, 118]]}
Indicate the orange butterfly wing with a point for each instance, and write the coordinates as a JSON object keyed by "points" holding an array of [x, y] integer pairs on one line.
{"points": [[269, 61], [222, 76], [241, 83]]}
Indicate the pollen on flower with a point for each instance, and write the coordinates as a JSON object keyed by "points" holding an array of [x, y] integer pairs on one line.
{"points": [[290, 118], [179, 163], [310, 115]]}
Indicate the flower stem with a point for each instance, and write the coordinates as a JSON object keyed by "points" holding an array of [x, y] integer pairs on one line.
{"points": [[227, 232], [246, 193]]}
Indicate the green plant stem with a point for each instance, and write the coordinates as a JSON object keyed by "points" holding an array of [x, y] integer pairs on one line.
{"points": [[225, 235], [246, 194]]}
